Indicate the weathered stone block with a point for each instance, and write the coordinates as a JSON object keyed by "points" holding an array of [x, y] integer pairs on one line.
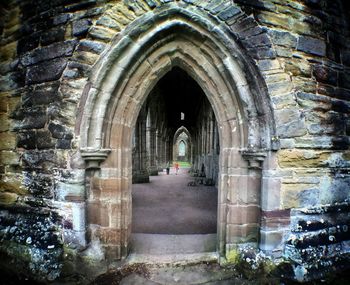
{"points": [[61, 19], [267, 65], [101, 33], [274, 19], [345, 57], [64, 144], [58, 131], [76, 70], [252, 193], [55, 50], [275, 219], [53, 35], [74, 192], [243, 214], [298, 67], [302, 158], [79, 6], [13, 185], [8, 52], [271, 240], [26, 140], [242, 233], [299, 195], [216, 6], [290, 123], [305, 84], [313, 101], [91, 46], [314, 142], [43, 95], [11, 81], [270, 196], [282, 38], [81, 27], [32, 122], [344, 80], [8, 198], [7, 140], [284, 101], [86, 57], [9, 158], [325, 74], [44, 160], [39, 185], [229, 13], [257, 41], [262, 53], [5, 123], [311, 45], [152, 4], [46, 71], [110, 189], [9, 66], [280, 87], [334, 189], [331, 123], [28, 43], [44, 139], [108, 22]]}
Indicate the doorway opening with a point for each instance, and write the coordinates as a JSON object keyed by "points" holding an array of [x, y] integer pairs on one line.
{"points": [[130, 74], [175, 212]]}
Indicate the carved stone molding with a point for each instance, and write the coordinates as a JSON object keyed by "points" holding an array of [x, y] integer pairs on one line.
{"points": [[255, 158], [94, 157]]}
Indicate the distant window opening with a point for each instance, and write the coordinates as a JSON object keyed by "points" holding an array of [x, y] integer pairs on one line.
{"points": [[182, 148], [182, 116]]}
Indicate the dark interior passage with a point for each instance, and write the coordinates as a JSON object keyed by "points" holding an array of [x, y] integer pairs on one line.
{"points": [[167, 205], [176, 110]]}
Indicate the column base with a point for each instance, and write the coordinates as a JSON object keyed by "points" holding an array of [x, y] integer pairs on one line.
{"points": [[140, 177], [153, 171]]}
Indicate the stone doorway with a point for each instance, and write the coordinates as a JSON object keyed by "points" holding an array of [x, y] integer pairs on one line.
{"points": [[184, 203], [124, 79]]}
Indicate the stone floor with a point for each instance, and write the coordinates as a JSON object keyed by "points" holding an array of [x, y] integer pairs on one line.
{"points": [[167, 205]]}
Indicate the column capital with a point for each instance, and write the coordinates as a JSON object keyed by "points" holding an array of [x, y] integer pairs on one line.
{"points": [[94, 157], [254, 157]]}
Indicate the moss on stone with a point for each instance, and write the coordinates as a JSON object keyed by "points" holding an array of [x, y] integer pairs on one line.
{"points": [[233, 256]]}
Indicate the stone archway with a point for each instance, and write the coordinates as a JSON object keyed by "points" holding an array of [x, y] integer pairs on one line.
{"points": [[122, 80], [187, 141]]}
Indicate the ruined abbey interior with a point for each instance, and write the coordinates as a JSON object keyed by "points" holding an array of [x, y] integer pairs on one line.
{"points": [[97, 96]]}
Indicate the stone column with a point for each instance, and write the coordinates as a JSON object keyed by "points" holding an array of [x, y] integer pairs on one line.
{"points": [[93, 158], [159, 151], [139, 171], [164, 149], [244, 208], [168, 150], [153, 168], [251, 206]]}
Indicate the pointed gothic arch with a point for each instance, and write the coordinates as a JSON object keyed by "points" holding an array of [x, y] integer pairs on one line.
{"points": [[178, 132], [122, 79]]}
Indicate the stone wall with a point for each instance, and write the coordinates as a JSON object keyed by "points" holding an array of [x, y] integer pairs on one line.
{"points": [[48, 51], [311, 43]]}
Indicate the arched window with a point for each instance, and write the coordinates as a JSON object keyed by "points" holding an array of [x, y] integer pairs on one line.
{"points": [[182, 148]]}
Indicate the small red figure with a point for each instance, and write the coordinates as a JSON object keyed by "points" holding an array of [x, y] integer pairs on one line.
{"points": [[176, 167]]}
